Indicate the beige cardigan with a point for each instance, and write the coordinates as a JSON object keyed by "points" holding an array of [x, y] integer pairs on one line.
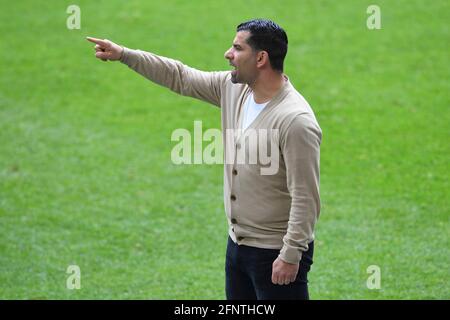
{"points": [[276, 211]]}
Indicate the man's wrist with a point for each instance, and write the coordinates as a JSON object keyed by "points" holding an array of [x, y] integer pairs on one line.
{"points": [[122, 54], [290, 255]]}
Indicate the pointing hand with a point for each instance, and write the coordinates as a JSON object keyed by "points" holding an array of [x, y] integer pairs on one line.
{"points": [[106, 50]]}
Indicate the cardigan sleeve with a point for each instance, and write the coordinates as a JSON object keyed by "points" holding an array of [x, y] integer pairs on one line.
{"points": [[300, 148], [182, 79]]}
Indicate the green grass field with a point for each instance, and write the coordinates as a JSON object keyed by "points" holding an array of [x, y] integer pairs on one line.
{"points": [[85, 171]]}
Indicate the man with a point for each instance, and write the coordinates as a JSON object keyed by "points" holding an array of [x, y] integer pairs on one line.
{"points": [[271, 216]]}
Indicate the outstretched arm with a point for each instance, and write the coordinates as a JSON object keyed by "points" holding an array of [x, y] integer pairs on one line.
{"points": [[182, 79]]}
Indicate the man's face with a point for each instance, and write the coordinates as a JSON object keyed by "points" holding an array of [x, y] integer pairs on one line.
{"points": [[243, 58]]}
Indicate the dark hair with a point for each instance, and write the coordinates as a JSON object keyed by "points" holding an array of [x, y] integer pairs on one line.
{"points": [[268, 36]]}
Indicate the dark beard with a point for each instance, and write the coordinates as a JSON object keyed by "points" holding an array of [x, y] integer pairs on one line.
{"points": [[234, 78]]}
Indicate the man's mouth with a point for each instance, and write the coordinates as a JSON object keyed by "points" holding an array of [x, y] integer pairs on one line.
{"points": [[233, 71]]}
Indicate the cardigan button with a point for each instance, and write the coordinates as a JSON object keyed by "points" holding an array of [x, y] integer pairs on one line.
{"points": [[233, 197], [233, 221], [234, 172]]}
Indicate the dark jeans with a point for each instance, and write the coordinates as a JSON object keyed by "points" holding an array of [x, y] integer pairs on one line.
{"points": [[248, 273]]}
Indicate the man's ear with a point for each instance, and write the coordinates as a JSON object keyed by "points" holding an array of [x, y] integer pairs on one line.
{"points": [[262, 58]]}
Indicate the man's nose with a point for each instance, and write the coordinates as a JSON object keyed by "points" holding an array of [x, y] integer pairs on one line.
{"points": [[228, 54]]}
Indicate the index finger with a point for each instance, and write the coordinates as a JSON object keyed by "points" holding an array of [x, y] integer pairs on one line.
{"points": [[97, 41]]}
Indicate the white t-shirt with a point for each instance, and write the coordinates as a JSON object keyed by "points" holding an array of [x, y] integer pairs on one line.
{"points": [[251, 111]]}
